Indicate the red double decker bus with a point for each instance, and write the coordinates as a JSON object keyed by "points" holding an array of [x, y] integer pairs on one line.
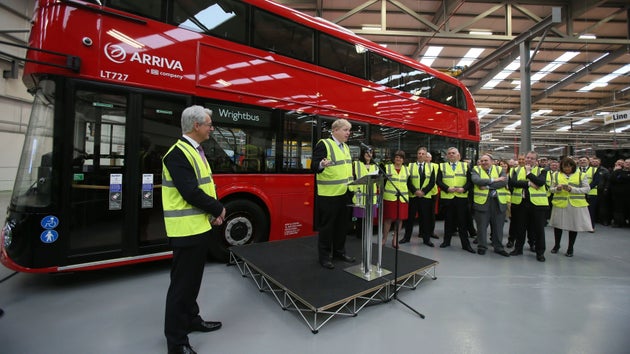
{"points": [[111, 77]]}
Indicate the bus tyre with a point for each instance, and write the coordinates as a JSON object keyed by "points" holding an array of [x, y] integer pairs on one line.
{"points": [[245, 222]]}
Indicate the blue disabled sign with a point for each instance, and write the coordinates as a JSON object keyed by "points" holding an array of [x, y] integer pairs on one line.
{"points": [[49, 222], [49, 236]]}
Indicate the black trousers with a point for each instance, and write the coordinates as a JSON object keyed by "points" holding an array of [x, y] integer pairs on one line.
{"points": [[333, 221], [529, 220], [413, 214], [592, 208], [456, 217], [182, 310], [424, 207]]}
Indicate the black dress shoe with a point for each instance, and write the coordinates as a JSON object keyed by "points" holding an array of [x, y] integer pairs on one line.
{"points": [[502, 252], [404, 240], [555, 249], [444, 245], [510, 244], [540, 258], [469, 249], [205, 326], [429, 243], [516, 253], [344, 257], [327, 264], [182, 349], [481, 251], [569, 254]]}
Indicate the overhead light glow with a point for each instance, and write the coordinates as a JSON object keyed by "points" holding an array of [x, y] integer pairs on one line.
{"points": [[483, 111], [480, 32], [125, 38], [470, 57], [371, 27], [603, 82], [582, 121], [430, 55]]}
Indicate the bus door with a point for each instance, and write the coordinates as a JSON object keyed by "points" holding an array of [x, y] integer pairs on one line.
{"points": [[99, 195], [115, 200], [160, 127]]}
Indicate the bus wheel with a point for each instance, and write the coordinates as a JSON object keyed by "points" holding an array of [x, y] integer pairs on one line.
{"points": [[245, 222]]}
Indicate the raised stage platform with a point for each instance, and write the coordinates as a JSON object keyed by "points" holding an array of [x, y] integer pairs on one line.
{"points": [[290, 271]]}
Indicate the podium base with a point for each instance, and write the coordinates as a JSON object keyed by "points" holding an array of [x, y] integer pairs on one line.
{"points": [[358, 271]]}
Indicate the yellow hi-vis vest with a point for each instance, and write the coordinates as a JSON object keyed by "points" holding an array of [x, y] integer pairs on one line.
{"points": [[414, 173], [399, 179], [180, 218], [361, 170], [562, 198], [590, 174], [456, 178], [536, 196], [334, 179], [550, 175], [434, 190], [481, 195]]}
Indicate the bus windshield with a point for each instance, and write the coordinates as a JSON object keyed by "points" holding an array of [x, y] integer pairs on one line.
{"points": [[33, 180]]}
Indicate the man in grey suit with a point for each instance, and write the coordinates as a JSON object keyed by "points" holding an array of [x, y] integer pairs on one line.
{"points": [[489, 203]]}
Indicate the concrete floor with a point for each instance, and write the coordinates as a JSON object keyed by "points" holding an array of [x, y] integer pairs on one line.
{"points": [[479, 304]]}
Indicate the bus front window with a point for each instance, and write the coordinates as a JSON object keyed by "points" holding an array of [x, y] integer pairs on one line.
{"points": [[34, 176]]}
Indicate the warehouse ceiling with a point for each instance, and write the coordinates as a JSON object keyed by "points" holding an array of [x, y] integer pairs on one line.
{"points": [[569, 99]]}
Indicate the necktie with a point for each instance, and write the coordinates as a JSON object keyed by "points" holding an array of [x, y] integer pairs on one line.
{"points": [[421, 170], [341, 146], [453, 165], [203, 155]]}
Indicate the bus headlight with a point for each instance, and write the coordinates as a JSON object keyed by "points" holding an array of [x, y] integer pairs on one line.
{"points": [[7, 233]]}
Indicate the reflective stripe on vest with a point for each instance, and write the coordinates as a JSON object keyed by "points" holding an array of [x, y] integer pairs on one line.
{"points": [[181, 218], [455, 179], [481, 195], [562, 198], [400, 181], [334, 179]]}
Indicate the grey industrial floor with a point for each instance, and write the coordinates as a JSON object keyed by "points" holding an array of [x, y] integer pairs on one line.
{"points": [[478, 304]]}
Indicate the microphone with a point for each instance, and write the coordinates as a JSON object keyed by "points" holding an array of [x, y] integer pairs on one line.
{"points": [[365, 146]]}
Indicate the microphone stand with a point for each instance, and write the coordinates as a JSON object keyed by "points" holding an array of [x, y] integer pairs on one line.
{"points": [[398, 196]]}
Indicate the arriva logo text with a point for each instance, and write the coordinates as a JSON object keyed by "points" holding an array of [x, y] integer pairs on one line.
{"points": [[154, 60], [118, 54]]}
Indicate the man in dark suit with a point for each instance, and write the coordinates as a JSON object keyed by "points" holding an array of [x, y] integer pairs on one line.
{"points": [[190, 202], [332, 165], [529, 205], [420, 184], [489, 203], [453, 181]]}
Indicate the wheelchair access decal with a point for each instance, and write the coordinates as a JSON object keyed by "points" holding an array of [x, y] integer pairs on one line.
{"points": [[49, 223]]}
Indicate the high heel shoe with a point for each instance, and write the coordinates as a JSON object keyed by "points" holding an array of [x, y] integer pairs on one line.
{"points": [[555, 249]]}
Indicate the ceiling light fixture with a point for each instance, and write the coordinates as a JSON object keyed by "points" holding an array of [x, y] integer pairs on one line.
{"points": [[480, 32]]}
